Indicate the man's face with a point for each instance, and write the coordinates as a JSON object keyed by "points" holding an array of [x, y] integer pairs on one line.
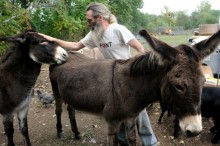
{"points": [[95, 25], [91, 20]]}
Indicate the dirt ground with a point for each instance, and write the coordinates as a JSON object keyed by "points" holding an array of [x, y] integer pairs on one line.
{"points": [[42, 123]]}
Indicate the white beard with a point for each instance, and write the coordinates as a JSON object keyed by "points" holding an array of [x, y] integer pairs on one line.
{"points": [[97, 32]]}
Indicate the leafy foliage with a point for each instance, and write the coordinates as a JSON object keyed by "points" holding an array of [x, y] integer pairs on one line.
{"points": [[65, 19], [13, 20], [126, 11], [59, 19]]}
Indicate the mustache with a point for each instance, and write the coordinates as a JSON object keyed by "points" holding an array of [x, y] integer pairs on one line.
{"points": [[93, 26]]}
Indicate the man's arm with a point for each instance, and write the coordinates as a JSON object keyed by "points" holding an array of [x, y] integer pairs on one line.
{"points": [[75, 46], [136, 45]]}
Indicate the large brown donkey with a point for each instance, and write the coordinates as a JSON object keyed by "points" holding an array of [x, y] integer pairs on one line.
{"points": [[120, 89], [18, 73]]}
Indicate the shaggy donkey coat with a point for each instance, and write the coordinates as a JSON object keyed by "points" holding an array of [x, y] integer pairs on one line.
{"points": [[120, 89], [18, 73]]}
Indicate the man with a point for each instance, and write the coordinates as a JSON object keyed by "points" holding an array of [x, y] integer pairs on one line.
{"points": [[113, 41]]}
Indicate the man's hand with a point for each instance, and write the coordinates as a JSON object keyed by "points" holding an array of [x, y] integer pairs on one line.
{"points": [[49, 38]]}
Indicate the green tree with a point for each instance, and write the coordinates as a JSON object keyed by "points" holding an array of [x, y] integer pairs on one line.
{"points": [[202, 15], [65, 19], [23, 3], [13, 19], [168, 17], [126, 11], [182, 19]]}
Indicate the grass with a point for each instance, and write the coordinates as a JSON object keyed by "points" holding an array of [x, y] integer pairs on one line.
{"points": [[174, 40]]}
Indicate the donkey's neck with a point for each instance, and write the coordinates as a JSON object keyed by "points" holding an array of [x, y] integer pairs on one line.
{"points": [[139, 80], [22, 68]]}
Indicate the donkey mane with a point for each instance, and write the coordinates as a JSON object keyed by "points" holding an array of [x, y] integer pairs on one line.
{"points": [[145, 64]]}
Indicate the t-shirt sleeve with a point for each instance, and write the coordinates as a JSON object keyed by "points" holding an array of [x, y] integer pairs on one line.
{"points": [[88, 42], [126, 34]]}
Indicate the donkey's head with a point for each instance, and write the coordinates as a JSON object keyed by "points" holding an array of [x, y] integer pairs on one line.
{"points": [[183, 81], [38, 48]]}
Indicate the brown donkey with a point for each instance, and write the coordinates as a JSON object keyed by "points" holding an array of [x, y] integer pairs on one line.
{"points": [[120, 89]]}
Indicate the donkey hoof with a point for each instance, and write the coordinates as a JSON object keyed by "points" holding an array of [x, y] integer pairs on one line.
{"points": [[60, 135], [78, 136], [11, 143]]}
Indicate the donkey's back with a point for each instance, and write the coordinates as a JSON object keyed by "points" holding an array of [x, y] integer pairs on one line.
{"points": [[83, 82]]}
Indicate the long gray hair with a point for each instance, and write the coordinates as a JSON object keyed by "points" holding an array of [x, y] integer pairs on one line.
{"points": [[101, 10]]}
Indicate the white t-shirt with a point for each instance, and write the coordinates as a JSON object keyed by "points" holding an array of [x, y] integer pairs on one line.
{"points": [[113, 44]]}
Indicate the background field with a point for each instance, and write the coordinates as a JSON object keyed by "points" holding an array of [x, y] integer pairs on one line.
{"points": [[172, 40]]}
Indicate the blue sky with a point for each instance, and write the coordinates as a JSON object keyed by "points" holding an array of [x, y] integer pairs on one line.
{"points": [[156, 6]]}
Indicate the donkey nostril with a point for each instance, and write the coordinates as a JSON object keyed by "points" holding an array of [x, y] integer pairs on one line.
{"points": [[65, 55], [189, 133]]}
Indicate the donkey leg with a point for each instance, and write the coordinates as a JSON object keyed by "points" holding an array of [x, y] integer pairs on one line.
{"points": [[58, 109], [72, 117], [161, 116], [216, 138], [58, 112], [169, 113], [177, 129], [112, 140], [8, 127], [213, 129], [23, 125], [130, 129], [113, 128]]}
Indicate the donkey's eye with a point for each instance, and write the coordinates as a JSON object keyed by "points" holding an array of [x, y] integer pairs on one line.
{"points": [[41, 41], [180, 88], [52, 42], [38, 41], [44, 43]]}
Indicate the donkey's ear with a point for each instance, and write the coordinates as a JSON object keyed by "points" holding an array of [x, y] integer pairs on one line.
{"points": [[206, 47], [19, 39], [165, 50]]}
